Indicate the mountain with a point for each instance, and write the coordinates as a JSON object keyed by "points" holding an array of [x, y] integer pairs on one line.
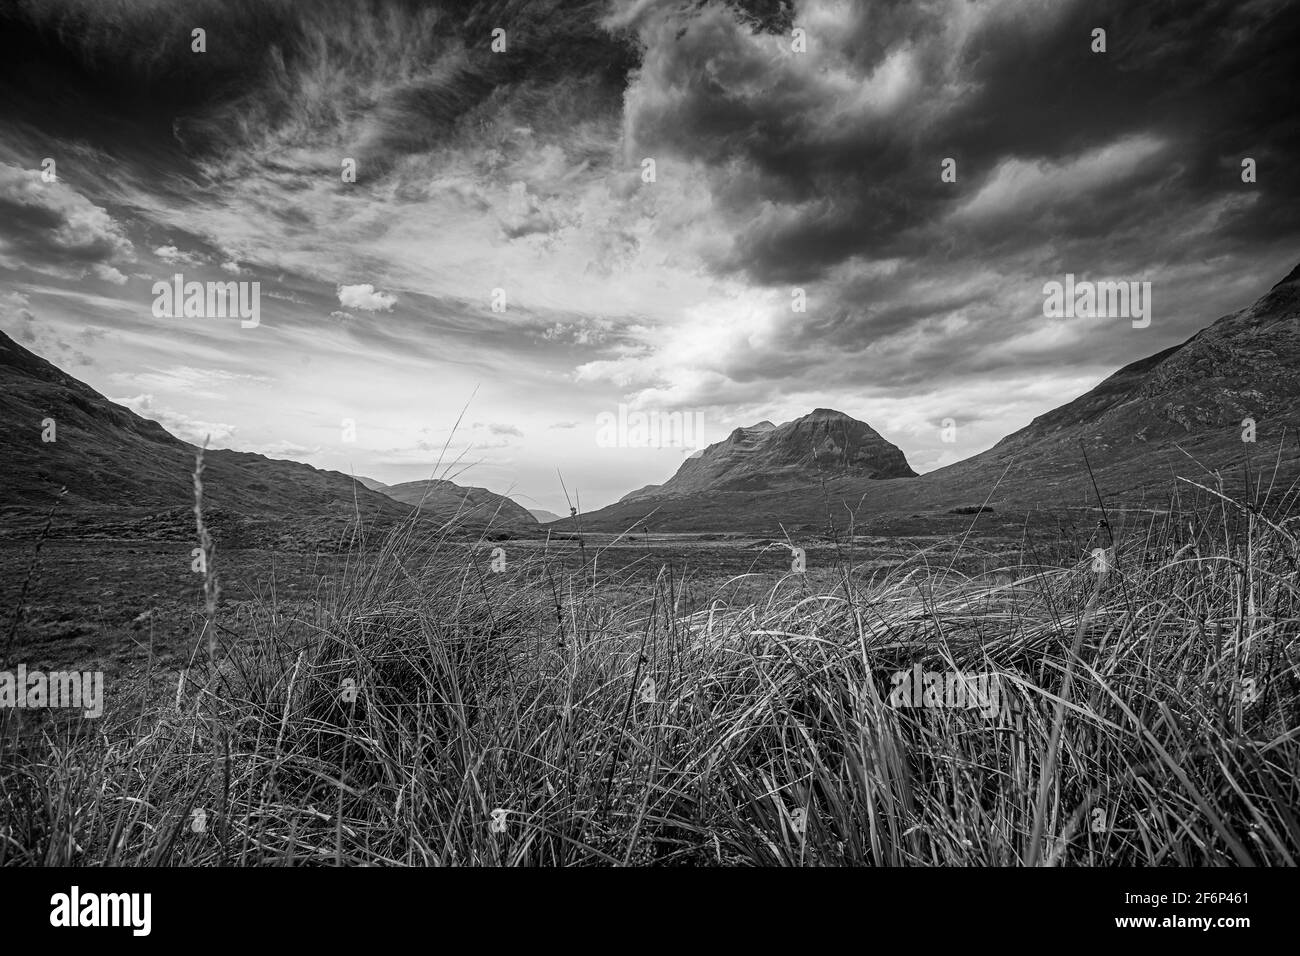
{"points": [[1179, 412], [1242, 366], [822, 445], [106, 454], [449, 499], [542, 515]]}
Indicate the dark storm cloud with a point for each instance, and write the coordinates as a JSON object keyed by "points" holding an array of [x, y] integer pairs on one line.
{"points": [[122, 74], [810, 171], [811, 179]]}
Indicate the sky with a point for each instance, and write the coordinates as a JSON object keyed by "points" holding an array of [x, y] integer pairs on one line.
{"points": [[504, 267]]}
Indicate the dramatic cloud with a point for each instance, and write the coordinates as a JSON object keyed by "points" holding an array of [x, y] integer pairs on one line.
{"points": [[835, 153], [797, 246]]}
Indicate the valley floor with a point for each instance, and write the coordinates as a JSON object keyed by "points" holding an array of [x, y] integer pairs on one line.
{"points": [[934, 699]]}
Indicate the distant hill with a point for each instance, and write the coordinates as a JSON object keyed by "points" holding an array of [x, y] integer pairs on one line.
{"points": [[1178, 412], [543, 516], [106, 454], [448, 499], [822, 445]]}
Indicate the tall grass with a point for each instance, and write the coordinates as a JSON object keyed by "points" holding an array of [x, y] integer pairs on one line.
{"points": [[1155, 720]]}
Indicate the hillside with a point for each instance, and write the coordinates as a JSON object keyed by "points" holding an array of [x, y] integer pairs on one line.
{"points": [[1242, 366], [105, 454]]}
